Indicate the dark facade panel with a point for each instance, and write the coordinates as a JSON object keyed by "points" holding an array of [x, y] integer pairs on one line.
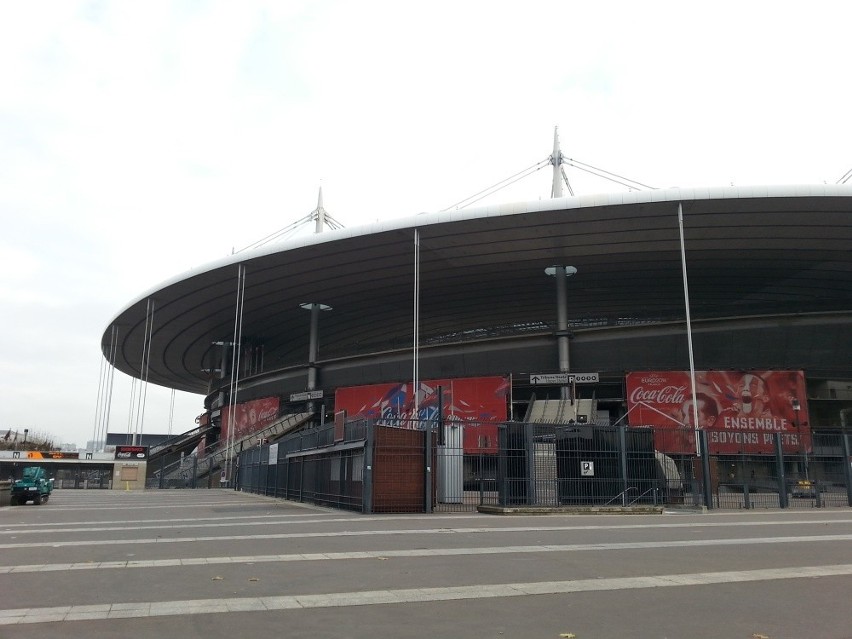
{"points": [[751, 254]]}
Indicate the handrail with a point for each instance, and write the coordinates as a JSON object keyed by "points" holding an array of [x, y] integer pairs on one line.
{"points": [[171, 441], [219, 454], [653, 489], [623, 495]]}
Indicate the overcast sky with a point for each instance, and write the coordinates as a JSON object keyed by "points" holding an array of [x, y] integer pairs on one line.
{"points": [[138, 140]]}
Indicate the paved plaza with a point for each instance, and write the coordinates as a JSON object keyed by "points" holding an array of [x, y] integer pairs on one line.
{"points": [[216, 563]]}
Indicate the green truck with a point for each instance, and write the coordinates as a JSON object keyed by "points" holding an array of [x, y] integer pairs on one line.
{"points": [[34, 486]]}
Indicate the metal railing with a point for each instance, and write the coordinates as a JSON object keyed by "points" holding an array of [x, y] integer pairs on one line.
{"points": [[186, 472], [544, 466]]}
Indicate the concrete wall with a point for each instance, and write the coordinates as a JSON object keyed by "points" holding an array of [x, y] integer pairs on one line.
{"points": [[129, 475]]}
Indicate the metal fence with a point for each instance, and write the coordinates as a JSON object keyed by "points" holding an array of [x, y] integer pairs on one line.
{"points": [[66, 475], [318, 465], [548, 465], [373, 468], [818, 477]]}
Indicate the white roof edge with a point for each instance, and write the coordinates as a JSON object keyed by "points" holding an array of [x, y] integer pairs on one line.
{"points": [[672, 194]]}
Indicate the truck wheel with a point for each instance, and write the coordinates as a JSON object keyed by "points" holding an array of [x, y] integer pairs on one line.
{"points": [[37, 500], [13, 501], [44, 498]]}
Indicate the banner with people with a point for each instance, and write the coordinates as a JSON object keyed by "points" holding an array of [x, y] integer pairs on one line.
{"points": [[740, 410], [479, 402]]}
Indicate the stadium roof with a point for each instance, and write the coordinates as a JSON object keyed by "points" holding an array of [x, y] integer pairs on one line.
{"points": [[750, 252]]}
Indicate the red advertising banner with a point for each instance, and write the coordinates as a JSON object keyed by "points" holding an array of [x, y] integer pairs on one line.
{"points": [[740, 410], [472, 400], [250, 417]]}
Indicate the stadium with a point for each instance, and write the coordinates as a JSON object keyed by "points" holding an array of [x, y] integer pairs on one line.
{"points": [[572, 300]]}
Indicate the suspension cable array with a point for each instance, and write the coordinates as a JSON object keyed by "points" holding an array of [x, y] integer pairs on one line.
{"points": [[105, 385], [559, 166], [607, 175], [288, 230], [235, 367], [498, 186]]}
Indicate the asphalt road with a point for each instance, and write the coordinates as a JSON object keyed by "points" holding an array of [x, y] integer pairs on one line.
{"points": [[212, 563]]}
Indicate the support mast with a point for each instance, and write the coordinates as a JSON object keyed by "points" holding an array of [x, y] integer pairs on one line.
{"points": [[556, 160]]}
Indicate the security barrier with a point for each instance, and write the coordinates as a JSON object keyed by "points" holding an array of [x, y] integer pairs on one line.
{"points": [[421, 468]]}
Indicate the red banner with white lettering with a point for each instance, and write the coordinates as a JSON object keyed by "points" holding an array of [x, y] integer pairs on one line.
{"points": [[250, 417], [479, 402], [740, 410]]}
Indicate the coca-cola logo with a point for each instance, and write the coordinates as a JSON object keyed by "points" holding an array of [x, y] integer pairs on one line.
{"points": [[663, 395], [268, 413]]}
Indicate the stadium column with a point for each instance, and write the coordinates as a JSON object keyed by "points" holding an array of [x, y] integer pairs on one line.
{"points": [[562, 273], [313, 345]]}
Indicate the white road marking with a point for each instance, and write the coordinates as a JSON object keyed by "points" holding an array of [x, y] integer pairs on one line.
{"points": [[418, 531], [421, 552], [88, 525], [406, 595]]}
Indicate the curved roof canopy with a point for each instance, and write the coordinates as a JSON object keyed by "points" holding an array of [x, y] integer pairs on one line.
{"points": [[750, 251]]}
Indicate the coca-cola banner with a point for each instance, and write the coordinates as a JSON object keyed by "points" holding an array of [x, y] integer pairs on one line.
{"points": [[475, 400], [740, 410], [250, 417]]}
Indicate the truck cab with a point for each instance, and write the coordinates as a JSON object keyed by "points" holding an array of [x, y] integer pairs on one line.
{"points": [[33, 486]]}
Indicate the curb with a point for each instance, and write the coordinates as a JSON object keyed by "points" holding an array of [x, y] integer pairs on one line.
{"points": [[570, 510]]}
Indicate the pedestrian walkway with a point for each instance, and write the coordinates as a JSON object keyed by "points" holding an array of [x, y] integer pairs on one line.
{"points": [[218, 563]]}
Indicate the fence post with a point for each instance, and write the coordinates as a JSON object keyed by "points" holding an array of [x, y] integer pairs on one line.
{"points": [[782, 479], [285, 478], [367, 488], [162, 471], [502, 451], [847, 465], [427, 475], [622, 461], [441, 441], [195, 471], [266, 477], [236, 470], [705, 469], [481, 479], [529, 440]]}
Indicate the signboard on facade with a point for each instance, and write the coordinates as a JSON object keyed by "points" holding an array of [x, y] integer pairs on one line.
{"points": [[46, 454], [131, 452], [564, 378], [305, 396], [587, 469], [550, 378], [480, 403], [740, 410]]}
